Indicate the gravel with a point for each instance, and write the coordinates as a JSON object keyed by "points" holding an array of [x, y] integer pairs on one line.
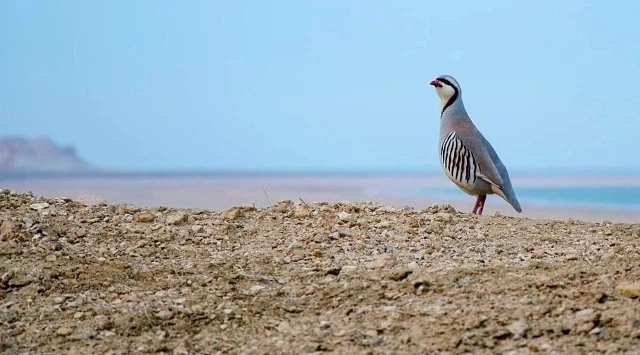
{"points": [[311, 277]]}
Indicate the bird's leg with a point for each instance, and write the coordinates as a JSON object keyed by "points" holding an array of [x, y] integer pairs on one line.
{"points": [[479, 206]]}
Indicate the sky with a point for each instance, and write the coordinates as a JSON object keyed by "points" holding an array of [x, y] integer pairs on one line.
{"points": [[321, 84]]}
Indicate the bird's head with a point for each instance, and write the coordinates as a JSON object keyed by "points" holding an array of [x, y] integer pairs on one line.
{"points": [[447, 88]]}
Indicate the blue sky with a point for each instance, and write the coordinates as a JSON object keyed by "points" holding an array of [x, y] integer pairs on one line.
{"points": [[321, 84]]}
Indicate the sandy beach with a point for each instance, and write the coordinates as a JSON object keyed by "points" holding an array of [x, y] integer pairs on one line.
{"points": [[302, 277]]}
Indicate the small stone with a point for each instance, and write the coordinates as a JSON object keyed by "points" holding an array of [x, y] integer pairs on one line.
{"points": [[586, 315], [232, 213], [413, 265], [255, 289], [78, 315], [103, 322], [518, 329], [297, 256], [346, 232], [383, 261], [283, 206], [28, 222], [301, 211], [344, 216], [64, 331], [7, 228], [597, 331], [39, 206], [144, 217], [177, 218], [181, 348], [443, 217], [317, 253], [629, 289], [197, 228], [537, 254], [335, 271], [295, 245], [400, 274], [164, 315], [569, 257], [84, 333], [51, 258], [80, 233]]}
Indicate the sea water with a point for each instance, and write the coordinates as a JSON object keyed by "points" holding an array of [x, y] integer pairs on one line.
{"points": [[582, 196]]}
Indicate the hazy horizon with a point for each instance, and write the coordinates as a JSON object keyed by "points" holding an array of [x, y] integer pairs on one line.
{"points": [[320, 86]]}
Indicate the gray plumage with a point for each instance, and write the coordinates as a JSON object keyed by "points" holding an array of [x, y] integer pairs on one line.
{"points": [[467, 158]]}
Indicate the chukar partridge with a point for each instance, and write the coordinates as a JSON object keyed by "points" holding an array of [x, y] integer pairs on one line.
{"points": [[466, 156]]}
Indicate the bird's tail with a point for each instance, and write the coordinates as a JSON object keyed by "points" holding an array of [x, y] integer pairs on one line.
{"points": [[508, 195]]}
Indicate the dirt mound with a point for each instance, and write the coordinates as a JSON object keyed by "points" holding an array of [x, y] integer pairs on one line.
{"points": [[297, 278]]}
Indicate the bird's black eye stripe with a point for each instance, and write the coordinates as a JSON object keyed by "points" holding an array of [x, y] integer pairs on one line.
{"points": [[445, 81]]}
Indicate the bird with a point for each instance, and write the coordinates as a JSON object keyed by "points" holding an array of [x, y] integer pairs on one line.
{"points": [[466, 157]]}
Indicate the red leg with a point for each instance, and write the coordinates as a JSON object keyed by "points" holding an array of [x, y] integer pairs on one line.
{"points": [[479, 206]]}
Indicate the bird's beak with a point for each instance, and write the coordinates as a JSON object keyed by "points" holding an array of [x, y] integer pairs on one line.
{"points": [[435, 83]]}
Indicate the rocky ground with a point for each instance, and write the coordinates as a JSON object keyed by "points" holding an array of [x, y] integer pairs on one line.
{"points": [[302, 278]]}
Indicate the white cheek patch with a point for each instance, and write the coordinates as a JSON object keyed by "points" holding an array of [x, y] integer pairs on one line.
{"points": [[446, 91]]}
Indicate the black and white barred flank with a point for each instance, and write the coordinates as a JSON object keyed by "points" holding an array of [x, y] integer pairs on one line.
{"points": [[458, 160]]}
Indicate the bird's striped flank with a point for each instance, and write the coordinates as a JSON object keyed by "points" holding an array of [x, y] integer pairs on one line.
{"points": [[458, 161]]}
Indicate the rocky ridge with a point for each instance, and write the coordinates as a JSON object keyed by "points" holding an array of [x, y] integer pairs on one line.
{"points": [[302, 277]]}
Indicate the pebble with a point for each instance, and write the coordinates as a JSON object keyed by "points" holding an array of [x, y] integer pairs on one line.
{"points": [[629, 289], [28, 222], [517, 329], [144, 217], [569, 257], [39, 206], [443, 217], [344, 216], [232, 213], [537, 254], [164, 315], [80, 232], [346, 232], [283, 206], [255, 289], [197, 228], [177, 218], [64, 331], [383, 261], [7, 228], [301, 211]]}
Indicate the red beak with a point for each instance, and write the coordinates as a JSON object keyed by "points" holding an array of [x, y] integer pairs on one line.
{"points": [[435, 83]]}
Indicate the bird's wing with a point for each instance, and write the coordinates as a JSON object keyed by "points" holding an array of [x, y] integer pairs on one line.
{"points": [[480, 147]]}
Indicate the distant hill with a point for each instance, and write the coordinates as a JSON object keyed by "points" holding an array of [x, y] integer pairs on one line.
{"points": [[40, 155]]}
